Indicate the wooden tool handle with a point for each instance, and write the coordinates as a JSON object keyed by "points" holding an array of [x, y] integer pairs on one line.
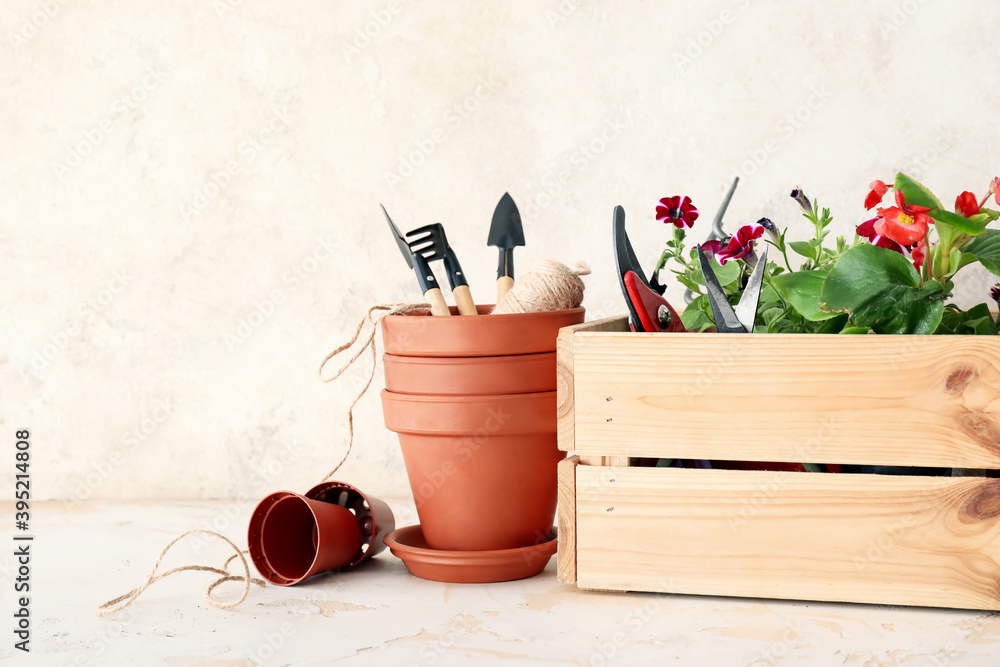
{"points": [[436, 299], [463, 297], [503, 286]]}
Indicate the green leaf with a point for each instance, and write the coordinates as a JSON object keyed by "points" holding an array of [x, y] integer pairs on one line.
{"points": [[802, 289], [803, 248], [881, 290], [694, 316], [986, 248], [973, 226], [833, 325], [726, 275], [989, 213], [854, 330], [687, 282], [916, 194]]}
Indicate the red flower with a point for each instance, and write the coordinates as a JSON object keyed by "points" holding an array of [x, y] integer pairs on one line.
{"points": [[867, 229], [711, 248], [677, 210], [903, 224], [740, 246], [920, 253], [966, 205], [874, 198], [995, 187]]}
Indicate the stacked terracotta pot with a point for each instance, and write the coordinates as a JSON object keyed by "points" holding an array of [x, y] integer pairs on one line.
{"points": [[473, 402]]}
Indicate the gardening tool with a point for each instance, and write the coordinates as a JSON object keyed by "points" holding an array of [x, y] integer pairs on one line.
{"points": [[648, 310], [428, 283], [505, 234], [717, 233], [431, 242], [728, 320]]}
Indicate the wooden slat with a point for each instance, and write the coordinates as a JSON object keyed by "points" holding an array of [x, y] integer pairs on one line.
{"points": [[566, 521], [857, 538], [564, 373], [890, 400]]}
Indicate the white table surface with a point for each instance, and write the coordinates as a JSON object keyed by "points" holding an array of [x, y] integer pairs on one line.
{"points": [[85, 553]]}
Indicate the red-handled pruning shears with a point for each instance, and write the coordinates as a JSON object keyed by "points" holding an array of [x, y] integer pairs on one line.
{"points": [[648, 310]]}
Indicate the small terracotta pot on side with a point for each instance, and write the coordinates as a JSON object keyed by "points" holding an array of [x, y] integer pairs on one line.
{"points": [[419, 334], [470, 376], [482, 469], [292, 538]]}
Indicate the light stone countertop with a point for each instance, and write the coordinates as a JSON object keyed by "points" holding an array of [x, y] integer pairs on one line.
{"points": [[85, 553]]}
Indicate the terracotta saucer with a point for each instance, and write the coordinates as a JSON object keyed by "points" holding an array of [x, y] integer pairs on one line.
{"points": [[467, 567]]}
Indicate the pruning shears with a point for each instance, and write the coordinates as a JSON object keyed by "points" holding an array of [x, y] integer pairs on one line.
{"points": [[648, 310], [717, 233], [727, 319]]}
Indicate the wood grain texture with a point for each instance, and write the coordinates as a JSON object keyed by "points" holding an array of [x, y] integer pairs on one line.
{"points": [[566, 521], [438, 305], [464, 301], [857, 538], [888, 400], [565, 415]]}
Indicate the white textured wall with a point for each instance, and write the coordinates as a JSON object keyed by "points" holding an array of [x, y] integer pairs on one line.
{"points": [[167, 169]]}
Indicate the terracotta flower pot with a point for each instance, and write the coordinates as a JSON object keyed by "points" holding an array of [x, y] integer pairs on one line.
{"points": [[333, 527], [419, 334], [470, 376], [482, 468], [292, 537]]}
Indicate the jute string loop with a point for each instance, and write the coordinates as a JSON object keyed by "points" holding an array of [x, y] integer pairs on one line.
{"points": [[387, 309], [122, 601]]}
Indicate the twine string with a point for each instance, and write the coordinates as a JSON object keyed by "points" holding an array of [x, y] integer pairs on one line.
{"points": [[387, 309], [122, 601]]}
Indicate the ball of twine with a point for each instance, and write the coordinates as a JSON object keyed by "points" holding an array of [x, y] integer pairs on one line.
{"points": [[547, 285]]}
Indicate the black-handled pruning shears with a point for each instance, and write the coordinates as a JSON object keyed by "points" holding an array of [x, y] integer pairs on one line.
{"points": [[648, 310]]}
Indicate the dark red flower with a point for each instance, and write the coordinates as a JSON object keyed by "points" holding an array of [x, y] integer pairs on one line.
{"points": [[874, 198], [740, 245], [966, 205], [711, 248], [920, 253], [995, 293], [677, 210], [905, 225]]}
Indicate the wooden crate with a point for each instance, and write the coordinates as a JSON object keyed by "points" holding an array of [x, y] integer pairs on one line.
{"points": [[878, 400]]}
